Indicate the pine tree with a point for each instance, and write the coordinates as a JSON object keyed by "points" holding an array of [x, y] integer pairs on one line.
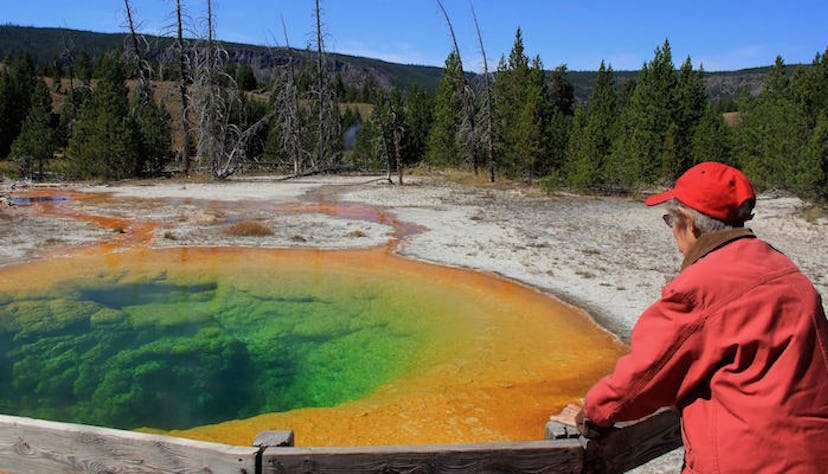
{"points": [[245, 78], [365, 155], [273, 153], [443, 148], [510, 91], [773, 131], [690, 104], [811, 177], [777, 84], [16, 87], [154, 131], [647, 140], [560, 105], [418, 119], [711, 139], [70, 111], [625, 93], [576, 170], [34, 146], [531, 129], [523, 111], [661, 122], [104, 141], [637, 139], [586, 170], [84, 68], [810, 87]]}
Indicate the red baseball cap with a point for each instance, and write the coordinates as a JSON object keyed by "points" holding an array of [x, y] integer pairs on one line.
{"points": [[712, 188]]}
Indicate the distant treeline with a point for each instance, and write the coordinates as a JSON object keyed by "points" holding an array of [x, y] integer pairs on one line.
{"points": [[53, 48], [642, 132]]}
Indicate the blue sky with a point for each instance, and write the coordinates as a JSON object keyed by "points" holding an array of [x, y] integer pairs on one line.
{"points": [[720, 34]]}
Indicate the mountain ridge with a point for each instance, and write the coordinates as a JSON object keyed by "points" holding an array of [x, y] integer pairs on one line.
{"points": [[47, 44]]}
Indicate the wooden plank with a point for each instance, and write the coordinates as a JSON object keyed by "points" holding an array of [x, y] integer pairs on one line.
{"points": [[37, 446], [559, 456], [632, 444]]}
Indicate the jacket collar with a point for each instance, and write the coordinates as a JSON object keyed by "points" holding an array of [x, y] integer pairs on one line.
{"points": [[711, 241]]}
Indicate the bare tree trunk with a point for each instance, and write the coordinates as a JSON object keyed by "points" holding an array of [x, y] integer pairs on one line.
{"points": [[320, 63], [397, 132], [142, 65], [399, 158], [488, 108], [382, 119], [186, 147], [68, 56], [468, 119], [288, 102], [133, 35], [387, 153], [326, 108], [210, 135]]}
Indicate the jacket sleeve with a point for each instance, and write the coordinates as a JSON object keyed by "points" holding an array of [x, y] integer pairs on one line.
{"points": [[669, 358]]}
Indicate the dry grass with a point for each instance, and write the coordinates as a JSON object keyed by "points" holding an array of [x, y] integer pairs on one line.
{"points": [[248, 229], [732, 118], [813, 212], [467, 177], [364, 110], [168, 93], [9, 169], [585, 274]]}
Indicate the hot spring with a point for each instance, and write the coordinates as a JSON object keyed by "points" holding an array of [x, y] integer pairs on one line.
{"points": [[343, 347]]}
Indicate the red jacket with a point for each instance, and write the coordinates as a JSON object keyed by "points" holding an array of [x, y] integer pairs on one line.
{"points": [[738, 343]]}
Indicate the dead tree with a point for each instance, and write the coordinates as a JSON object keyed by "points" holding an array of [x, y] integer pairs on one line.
{"points": [[396, 111], [320, 75], [382, 117], [222, 142], [136, 58], [67, 56], [486, 108], [288, 116], [467, 130], [184, 82], [397, 133], [324, 103], [136, 48]]}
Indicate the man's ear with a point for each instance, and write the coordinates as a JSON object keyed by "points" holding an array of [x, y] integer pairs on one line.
{"points": [[691, 223]]}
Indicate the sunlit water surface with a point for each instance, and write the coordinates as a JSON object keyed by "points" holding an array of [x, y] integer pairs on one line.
{"points": [[344, 348]]}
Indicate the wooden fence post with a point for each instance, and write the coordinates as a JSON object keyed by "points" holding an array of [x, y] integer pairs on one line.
{"points": [[630, 445]]}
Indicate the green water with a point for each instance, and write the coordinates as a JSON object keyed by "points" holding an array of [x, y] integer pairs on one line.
{"points": [[130, 350]]}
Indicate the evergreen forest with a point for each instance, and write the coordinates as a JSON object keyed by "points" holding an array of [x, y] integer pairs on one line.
{"points": [[129, 113]]}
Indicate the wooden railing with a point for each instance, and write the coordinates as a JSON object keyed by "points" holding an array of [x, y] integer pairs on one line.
{"points": [[37, 446]]}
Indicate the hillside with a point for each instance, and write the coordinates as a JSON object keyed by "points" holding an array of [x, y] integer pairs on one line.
{"points": [[49, 44]]}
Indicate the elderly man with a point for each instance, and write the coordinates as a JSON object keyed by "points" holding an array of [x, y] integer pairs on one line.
{"points": [[738, 342]]}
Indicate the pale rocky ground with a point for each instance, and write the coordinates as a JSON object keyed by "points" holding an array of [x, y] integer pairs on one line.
{"points": [[608, 255]]}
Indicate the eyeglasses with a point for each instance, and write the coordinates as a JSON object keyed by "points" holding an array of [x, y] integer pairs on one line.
{"points": [[669, 219]]}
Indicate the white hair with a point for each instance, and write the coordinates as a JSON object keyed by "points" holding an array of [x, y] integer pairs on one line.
{"points": [[702, 222]]}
